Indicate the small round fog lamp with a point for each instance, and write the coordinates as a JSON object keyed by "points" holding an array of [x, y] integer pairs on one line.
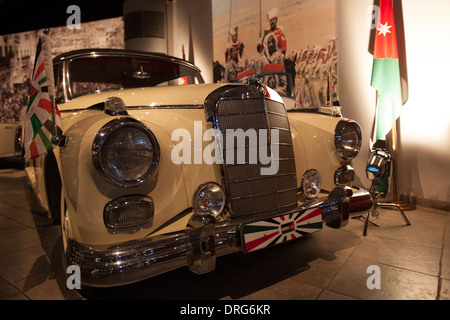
{"points": [[209, 199], [311, 183]]}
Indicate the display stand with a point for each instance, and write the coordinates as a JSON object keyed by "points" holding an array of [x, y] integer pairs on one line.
{"points": [[378, 168], [392, 206]]}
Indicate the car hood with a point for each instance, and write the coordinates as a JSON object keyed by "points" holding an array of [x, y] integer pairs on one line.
{"points": [[151, 97]]}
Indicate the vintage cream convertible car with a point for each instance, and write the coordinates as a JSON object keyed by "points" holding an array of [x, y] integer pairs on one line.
{"points": [[157, 170]]}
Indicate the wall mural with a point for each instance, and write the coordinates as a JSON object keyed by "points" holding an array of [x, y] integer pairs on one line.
{"points": [[292, 42], [296, 37], [17, 53]]}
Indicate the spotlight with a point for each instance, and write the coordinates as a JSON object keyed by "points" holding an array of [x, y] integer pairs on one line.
{"points": [[379, 163]]}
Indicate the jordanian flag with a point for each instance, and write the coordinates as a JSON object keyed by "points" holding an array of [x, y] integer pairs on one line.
{"points": [[39, 126], [386, 72]]}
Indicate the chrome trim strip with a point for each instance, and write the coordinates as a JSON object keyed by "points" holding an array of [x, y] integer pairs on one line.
{"points": [[181, 106], [124, 263], [101, 52], [194, 106], [263, 194], [262, 177]]}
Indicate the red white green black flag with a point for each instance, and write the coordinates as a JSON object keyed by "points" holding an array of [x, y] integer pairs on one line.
{"points": [[386, 71], [40, 116]]}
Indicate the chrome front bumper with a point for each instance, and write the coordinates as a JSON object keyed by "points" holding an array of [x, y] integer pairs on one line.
{"points": [[196, 247]]}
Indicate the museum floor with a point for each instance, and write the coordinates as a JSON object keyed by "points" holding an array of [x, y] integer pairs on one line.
{"points": [[413, 261]]}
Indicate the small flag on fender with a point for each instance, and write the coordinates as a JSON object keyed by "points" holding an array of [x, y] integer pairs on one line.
{"points": [[41, 116]]}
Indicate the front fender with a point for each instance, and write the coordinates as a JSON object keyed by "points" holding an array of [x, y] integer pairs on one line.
{"points": [[171, 187], [313, 139]]}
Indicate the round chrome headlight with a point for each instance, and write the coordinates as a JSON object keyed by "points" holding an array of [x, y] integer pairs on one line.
{"points": [[125, 151], [347, 139], [311, 183], [209, 199]]}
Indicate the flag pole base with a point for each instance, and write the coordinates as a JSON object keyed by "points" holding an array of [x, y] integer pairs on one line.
{"points": [[60, 141], [402, 205]]}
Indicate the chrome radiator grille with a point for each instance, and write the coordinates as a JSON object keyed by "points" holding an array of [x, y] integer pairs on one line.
{"points": [[250, 192]]}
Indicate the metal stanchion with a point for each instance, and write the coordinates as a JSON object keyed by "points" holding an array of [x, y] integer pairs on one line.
{"points": [[404, 206]]}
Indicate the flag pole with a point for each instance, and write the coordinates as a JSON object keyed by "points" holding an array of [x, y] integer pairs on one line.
{"points": [[57, 139], [395, 198], [49, 70]]}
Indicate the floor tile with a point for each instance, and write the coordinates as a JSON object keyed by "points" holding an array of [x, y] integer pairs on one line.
{"points": [[338, 241], [23, 239], [8, 226], [445, 263], [288, 289], [308, 265], [27, 262], [45, 286], [330, 295], [400, 254], [9, 292], [445, 290], [395, 283], [414, 233]]}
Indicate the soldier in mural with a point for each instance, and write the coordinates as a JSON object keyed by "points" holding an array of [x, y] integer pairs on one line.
{"points": [[272, 55], [331, 62], [238, 44], [272, 17], [218, 71], [300, 85], [271, 52], [234, 66], [320, 79], [316, 76]]}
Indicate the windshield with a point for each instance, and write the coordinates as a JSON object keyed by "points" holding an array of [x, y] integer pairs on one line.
{"points": [[95, 74]]}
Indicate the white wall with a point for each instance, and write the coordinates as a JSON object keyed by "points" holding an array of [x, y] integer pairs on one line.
{"points": [[424, 127], [190, 25], [153, 44]]}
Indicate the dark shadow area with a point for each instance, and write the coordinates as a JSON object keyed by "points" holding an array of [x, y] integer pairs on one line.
{"points": [[20, 204], [11, 163]]}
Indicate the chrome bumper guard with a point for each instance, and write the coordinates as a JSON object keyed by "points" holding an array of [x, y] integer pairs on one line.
{"points": [[196, 247]]}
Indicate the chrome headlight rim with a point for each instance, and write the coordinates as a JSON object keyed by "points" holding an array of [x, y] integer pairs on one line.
{"points": [[338, 140], [208, 187], [344, 176], [102, 136], [306, 179]]}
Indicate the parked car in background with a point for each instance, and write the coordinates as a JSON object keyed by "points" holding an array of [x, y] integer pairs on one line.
{"points": [[158, 170], [11, 141]]}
